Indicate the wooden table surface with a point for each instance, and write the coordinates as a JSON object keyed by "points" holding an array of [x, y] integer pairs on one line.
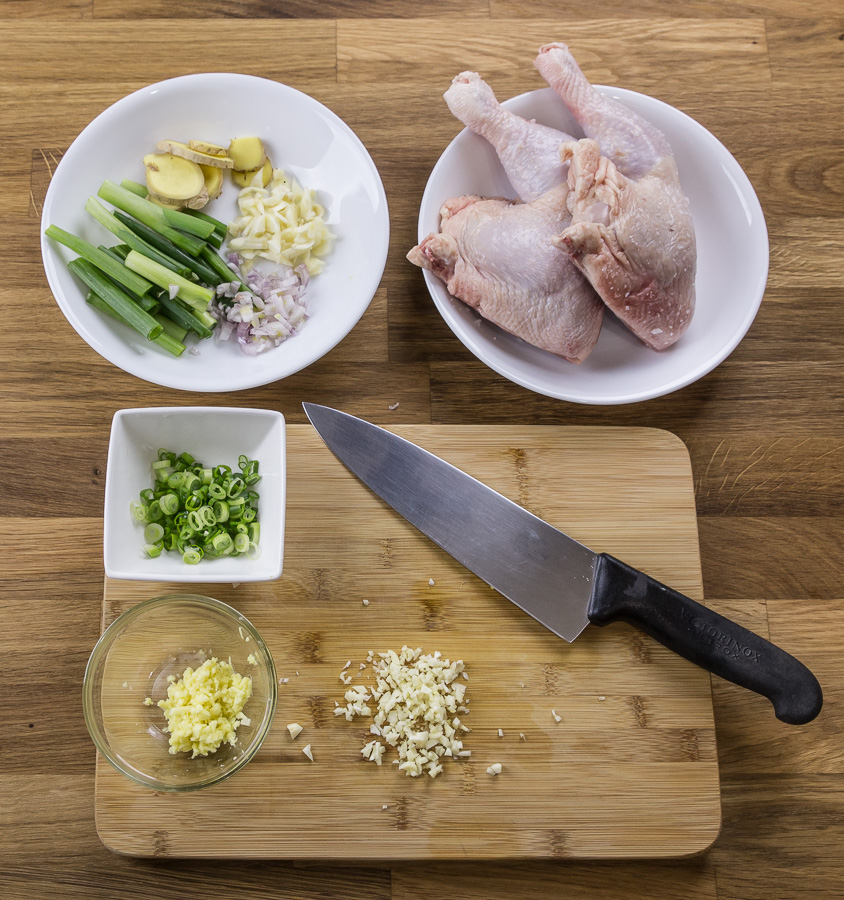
{"points": [[765, 429]]}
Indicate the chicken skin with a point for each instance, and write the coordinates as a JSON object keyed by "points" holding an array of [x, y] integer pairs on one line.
{"points": [[631, 232], [497, 256], [529, 152]]}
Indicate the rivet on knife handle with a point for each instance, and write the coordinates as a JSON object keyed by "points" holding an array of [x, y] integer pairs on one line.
{"points": [[705, 638]]}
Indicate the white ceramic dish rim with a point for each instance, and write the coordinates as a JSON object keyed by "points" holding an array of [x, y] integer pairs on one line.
{"points": [[127, 361], [476, 344], [200, 574]]}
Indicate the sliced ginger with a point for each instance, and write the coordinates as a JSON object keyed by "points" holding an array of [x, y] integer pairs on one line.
{"points": [[244, 179], [213, 180], [185, 151], [206, 147], [247, 154], [172, 177]]}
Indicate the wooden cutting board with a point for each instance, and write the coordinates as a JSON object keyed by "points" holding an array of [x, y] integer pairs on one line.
{"points": [[630, 770]]}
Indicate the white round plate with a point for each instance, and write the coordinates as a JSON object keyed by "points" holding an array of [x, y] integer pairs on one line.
{"points": [[302, 137], [732, 263]]}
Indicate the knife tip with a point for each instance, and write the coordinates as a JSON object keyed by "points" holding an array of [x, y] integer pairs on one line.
{"points": [[318, 414]]}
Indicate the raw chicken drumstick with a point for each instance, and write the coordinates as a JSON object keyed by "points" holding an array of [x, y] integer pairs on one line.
{"points": [[497, 257], [631, 232], [529, 152]]}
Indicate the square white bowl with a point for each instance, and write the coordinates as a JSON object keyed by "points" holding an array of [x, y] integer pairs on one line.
{"points": [[215, 436]]}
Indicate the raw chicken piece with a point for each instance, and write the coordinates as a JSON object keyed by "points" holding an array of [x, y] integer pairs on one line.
{"points": [[631, 232], [497, 257], [529, 152]]}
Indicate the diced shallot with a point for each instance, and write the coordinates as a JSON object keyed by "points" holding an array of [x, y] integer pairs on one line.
{"points": [[274, 308]]}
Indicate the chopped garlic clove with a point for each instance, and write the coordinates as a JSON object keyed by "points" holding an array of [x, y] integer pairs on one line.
{"points": [[308, 753], [494, 769], [295, 730]]}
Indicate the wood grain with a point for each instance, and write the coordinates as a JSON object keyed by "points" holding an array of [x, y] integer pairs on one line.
{"points": [[125, 52], [47, 9], [289, 9], [503, 50], [762, 430], [577, 881], [633, 764], [542, 9]]}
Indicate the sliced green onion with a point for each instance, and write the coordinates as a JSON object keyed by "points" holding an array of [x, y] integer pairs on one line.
{"points": [[192, 555], [196, 296], [190, 224], [140, 511], [206, 514], [135, 187], [115, 224], [149, 237], [150, 214], [153, 532], [185, 317], [222, 543], [189, 510], [105, 263], [235, 487], [123, 306], [170, 328], [220, 227], [169, 504]]}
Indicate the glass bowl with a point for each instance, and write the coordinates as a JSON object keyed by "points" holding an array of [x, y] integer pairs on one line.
{"points": [[132, 660]]}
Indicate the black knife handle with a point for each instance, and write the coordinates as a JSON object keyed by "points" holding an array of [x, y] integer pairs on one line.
{"points": [[705, 638]]}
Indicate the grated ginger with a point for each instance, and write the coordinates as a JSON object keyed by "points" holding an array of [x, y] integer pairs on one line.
{"points": [[204, 708]]}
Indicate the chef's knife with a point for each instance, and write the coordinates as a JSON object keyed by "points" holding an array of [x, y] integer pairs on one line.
{"points": [[561, 583]]}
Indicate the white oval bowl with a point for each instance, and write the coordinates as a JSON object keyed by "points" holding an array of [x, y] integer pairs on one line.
{"points": [[304, 138], [732, 263]]}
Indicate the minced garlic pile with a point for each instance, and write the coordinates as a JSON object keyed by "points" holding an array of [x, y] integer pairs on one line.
{"points": [[281, 222], [418, 701], [205, 707]]}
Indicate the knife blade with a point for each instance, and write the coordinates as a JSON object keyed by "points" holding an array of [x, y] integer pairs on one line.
{"points": [[561, 583]]}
